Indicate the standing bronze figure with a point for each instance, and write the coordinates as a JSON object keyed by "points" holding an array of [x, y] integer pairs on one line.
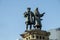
{"points": [[33, 18], [37, 19], [29, 18]]}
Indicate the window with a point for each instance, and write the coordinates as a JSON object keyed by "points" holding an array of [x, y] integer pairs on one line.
{"points": [[29, 37], [33, 36], [40, 37], [37, 37], [43, 37], [26, 38]]}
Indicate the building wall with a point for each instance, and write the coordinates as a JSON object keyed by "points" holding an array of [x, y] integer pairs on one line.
{"points": [[54, 34]]}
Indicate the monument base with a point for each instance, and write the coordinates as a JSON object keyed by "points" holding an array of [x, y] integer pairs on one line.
{"points": [[35, 34]]}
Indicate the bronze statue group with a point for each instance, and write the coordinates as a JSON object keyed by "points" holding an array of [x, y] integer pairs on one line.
{"points": [[33, 19]]}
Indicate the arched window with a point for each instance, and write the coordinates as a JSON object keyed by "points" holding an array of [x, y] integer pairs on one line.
{"points": [[29, 37], [40, 37], [26, 38], [32, 36], [37, 37], [43, 37]]}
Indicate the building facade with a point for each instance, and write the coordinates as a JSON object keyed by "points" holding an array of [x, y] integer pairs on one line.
{"points": [[54, 34], [35, 35]]}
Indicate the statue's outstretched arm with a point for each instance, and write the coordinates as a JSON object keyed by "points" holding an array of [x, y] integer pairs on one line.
{"points": [[41, 15]]}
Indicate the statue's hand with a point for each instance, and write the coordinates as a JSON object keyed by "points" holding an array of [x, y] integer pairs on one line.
{"points": [[25, 14], [43, 13]]}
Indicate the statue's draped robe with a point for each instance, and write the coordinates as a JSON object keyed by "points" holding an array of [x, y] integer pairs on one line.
{"points": [[29, 17], [37, 19]]}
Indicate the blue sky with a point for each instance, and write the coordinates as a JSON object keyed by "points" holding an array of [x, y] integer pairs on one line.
{"points": [[12, 19]]}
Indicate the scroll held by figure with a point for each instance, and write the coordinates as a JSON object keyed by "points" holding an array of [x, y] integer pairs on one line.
{"points": [[33, 18]]}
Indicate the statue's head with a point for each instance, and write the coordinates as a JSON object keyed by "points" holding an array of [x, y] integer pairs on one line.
{"points": [[37, 9], [28, 9]]}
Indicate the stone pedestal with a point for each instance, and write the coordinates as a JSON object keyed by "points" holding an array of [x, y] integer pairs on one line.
{"points": [[35, 34]]}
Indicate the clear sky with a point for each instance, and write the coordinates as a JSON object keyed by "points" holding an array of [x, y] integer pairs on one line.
{"points": [[12, 19]]}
